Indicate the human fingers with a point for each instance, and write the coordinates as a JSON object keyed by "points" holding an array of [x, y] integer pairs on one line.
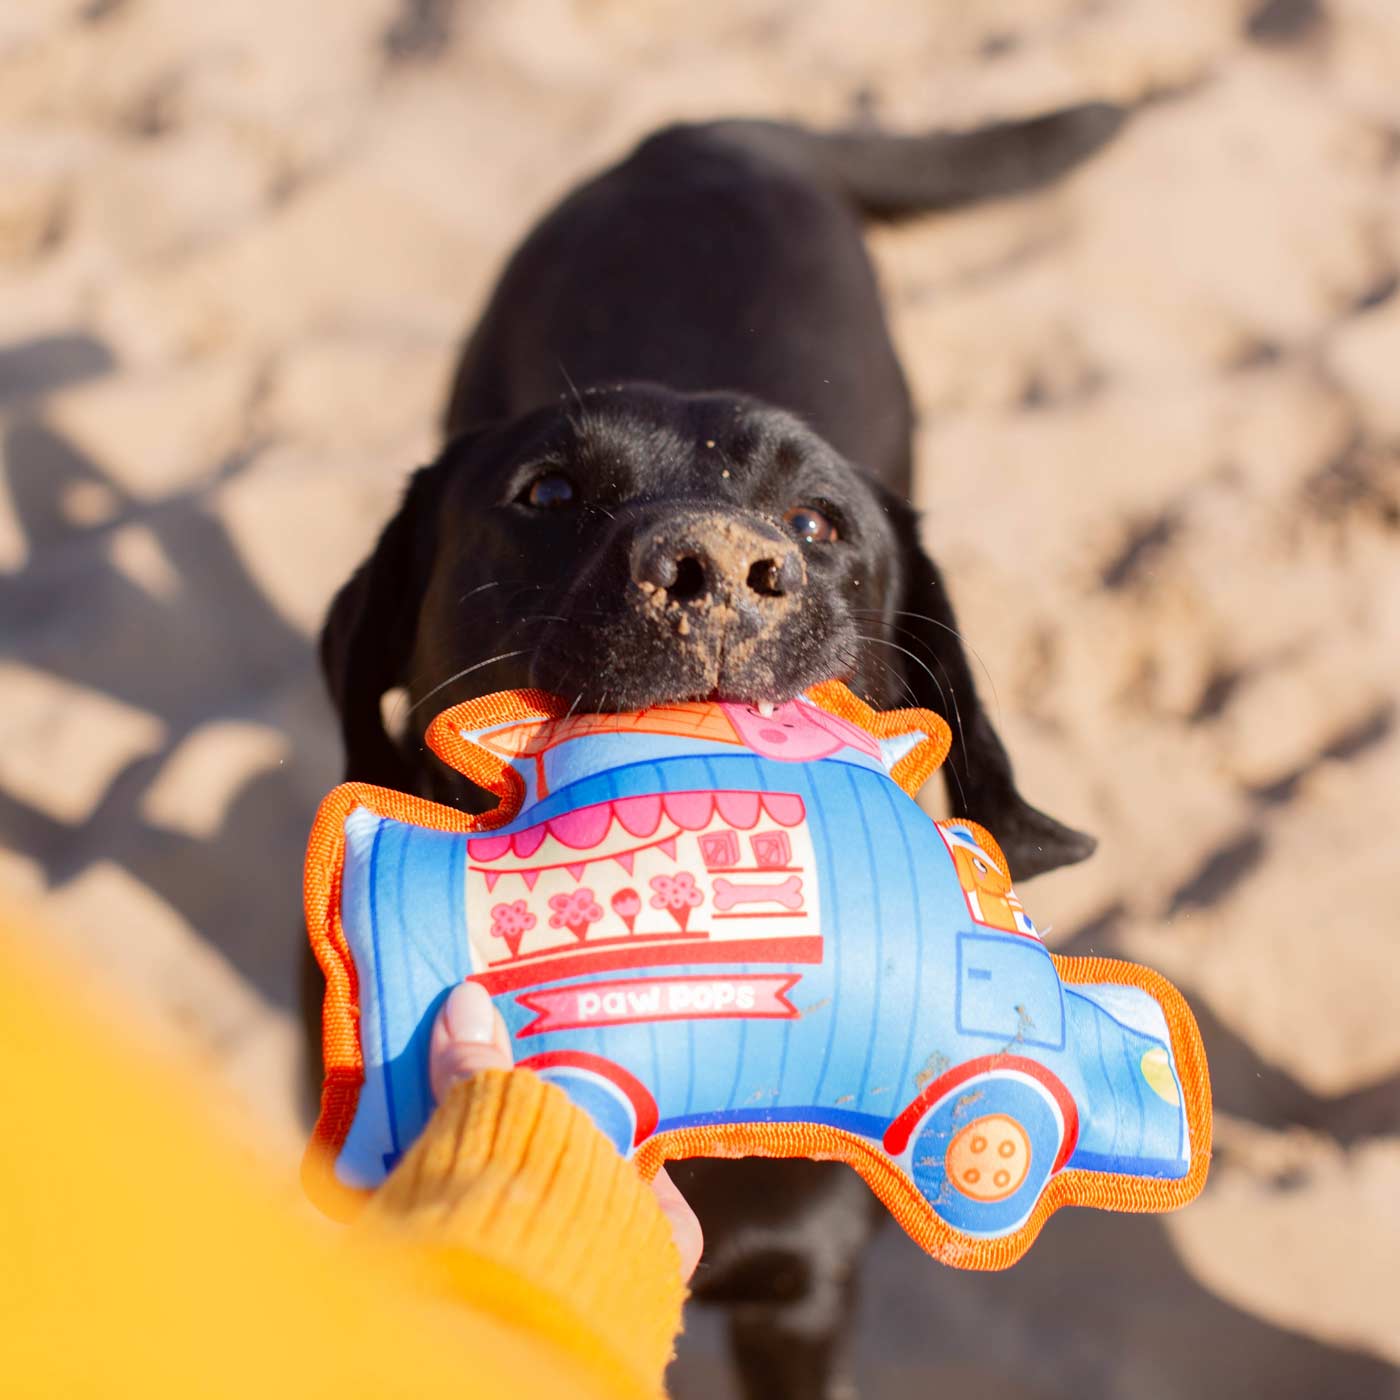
{"points": [[468, 1036], [685, 1226]]}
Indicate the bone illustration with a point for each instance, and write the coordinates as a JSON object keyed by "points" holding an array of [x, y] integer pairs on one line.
{"points": [[729, 894]]}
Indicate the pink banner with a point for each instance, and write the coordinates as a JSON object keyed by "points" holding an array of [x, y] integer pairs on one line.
{"points": [[660, 999]]}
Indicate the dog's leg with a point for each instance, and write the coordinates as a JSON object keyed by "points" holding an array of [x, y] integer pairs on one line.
{"points": [[783, 1244], [798, 1350]]}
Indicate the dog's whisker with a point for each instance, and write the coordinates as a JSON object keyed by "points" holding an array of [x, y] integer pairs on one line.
{"points": [[900, 680], [516, 590], [952, 631], [913, 636], [578, 620], [465, 671], [916, 659], [937, 661], [573, 388], [480, 588], [520, 622], [957, 717]]}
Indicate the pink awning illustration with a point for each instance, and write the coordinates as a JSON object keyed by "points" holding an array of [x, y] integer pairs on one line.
{"points": [[641, 817]]}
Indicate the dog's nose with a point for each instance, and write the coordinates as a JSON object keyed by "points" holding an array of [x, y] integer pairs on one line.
{"points": [[717, 557]]}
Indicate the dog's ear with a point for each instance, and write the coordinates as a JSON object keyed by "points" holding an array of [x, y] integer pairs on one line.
{"points": [[367, 642], [977, 773]]}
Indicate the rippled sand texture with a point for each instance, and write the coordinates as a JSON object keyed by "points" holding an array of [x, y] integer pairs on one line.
{"points": [[1160, 456]]}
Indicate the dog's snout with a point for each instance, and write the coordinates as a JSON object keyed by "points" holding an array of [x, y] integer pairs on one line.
{"points": [[717, 557], [776, 577], [681, 575]]}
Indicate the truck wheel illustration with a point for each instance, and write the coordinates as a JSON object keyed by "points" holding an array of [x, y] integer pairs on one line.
{"points": [[981, 1142], [618, 1102]]}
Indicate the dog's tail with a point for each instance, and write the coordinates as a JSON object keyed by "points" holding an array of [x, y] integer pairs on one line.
{"points": [[891, 177]]}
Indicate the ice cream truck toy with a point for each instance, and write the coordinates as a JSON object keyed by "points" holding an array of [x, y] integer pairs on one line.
{"points": [[729, 930]]}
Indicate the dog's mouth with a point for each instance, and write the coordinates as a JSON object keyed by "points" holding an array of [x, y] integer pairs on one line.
{"points": [[620, 667]]}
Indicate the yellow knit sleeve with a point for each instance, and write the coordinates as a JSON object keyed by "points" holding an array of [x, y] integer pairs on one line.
{"points": [[533, 1213]]}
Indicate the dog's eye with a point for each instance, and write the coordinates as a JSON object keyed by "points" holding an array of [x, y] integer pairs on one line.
{"points": [[811, 525], [549, 492]]}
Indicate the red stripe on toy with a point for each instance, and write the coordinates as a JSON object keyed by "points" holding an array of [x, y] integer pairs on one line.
{"points": [[643, 1105], [724, 997], [897, 1135]]}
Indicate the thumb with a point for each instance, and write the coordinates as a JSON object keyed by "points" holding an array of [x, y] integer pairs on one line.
{"points": [[468, 1037], [685, 1225]]}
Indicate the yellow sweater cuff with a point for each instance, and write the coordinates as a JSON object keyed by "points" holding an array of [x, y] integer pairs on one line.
{"points": [[509, 1170]]}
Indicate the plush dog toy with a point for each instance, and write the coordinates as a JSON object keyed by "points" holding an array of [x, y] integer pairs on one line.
{"points": [[728, 930]]}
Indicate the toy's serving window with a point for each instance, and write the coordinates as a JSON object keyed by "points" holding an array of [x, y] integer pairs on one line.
{"points": [[1008, 988], [654, 879]]}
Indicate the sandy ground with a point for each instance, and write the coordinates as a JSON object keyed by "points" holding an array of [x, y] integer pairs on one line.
{"points": [[1160, 456]]}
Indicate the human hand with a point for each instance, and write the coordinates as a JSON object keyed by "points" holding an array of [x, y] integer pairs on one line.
{"points": [[469, 1036]]}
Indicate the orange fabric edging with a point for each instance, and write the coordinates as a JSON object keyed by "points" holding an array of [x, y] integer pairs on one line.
{"points": [[1102, 1190], [922, 761], [344, 1063], [342, 1058]]}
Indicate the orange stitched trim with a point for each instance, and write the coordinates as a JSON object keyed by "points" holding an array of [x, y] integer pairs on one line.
{"points": [[325, 863], [1103, 1190], [486, 769], [345, 1064], [340, 1012], [921, 762]]}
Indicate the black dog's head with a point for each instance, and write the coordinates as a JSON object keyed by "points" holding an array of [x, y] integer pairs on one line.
{"points": [[635, 546]]}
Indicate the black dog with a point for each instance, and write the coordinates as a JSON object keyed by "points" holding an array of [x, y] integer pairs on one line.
{"points": [[677, 467]]}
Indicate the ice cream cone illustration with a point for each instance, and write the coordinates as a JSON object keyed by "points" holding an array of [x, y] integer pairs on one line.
{"points": [[627, 904], [575, 911], [512, 922], [677, 894]]}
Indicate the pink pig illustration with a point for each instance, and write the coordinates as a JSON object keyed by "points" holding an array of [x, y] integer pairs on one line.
{"points": [[798, 732]]}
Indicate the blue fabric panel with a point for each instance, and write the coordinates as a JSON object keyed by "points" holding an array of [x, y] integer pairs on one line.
{"points": [[909, 986], [1008, 989], [404, 920], [1122, 1119]]}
